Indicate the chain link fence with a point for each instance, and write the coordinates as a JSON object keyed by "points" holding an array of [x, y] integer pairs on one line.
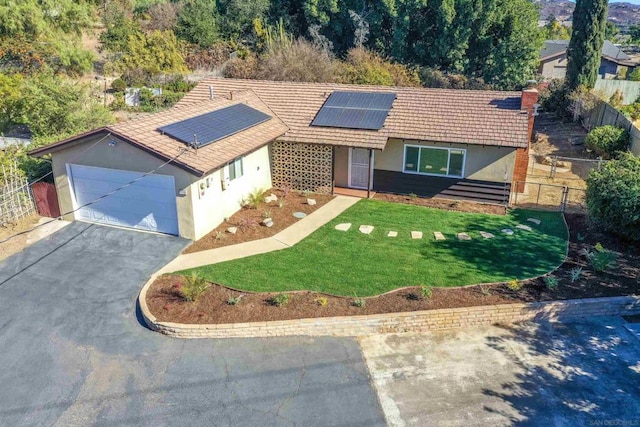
{"points": [[550, 197], [563, 169]]}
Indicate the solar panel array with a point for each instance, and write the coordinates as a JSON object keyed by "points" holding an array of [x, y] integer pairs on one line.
{"points": [[355, 110], [216, 125]]}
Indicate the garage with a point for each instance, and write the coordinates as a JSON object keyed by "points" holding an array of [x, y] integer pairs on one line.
{"points": [[148, 204]]}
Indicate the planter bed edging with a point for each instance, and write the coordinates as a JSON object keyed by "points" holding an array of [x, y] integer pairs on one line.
{"points": [[415, 321]]}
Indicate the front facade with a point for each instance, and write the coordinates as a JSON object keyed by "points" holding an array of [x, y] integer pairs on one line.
{"points": [[138, 174]]}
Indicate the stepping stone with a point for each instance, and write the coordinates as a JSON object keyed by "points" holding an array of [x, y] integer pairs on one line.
{"points": [[392, 234], [299, 215], [416, 234], [271, 198], [366, 229], [343, 227], [507, 231], [438, 236], [524, 227], [232, 230], [487, 235], [534, 220], [463, 236], [311, 202]]}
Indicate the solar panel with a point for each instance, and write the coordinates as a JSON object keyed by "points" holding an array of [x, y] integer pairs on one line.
{"points": [[355, 110], [216, 125]]}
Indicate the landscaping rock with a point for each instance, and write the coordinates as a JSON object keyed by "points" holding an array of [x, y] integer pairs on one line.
{"points": [[366, 229], [438, 236], [524, 227], [311, 202], [534, 220], [463, 236], [392, 234], [267, 222], [232, 230], [507, 231], [487, 235], [299, 215], [343, 227], [416, 234], [271, 198]]}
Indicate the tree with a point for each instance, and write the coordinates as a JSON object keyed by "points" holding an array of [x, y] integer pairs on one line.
{"points": [[611, 31], [365, 67], [607, 141], [613, 196], [198, 22], [585, 46], [155, 53], [10, 97], [554, 30], [237, 17]]}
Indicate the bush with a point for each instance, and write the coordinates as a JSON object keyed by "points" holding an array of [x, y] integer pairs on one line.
{"points": [[600, 259], [551, 282], [119, 85], [281, 299], [607, 141], [254, 198], [634, 75], [426, 292], [359, 302], [193, 287], [553, 98], [514, 285], [613, 198]]}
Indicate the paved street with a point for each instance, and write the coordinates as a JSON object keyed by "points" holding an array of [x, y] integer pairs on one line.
{"points": [[74, 352]]}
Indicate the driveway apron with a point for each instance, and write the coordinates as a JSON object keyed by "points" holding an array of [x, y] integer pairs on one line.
{"points": [[74, 351]]}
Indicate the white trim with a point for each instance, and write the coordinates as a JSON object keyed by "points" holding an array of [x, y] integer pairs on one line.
{"points": [[417, 171]]}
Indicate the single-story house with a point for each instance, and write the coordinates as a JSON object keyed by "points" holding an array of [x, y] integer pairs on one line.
{"points": [[182, 171], [553, 60]]}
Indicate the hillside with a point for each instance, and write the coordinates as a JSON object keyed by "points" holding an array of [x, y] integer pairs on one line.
{"points": [[623, 14]]}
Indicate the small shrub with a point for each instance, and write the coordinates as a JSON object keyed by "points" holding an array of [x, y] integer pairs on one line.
{"points": [[194, 286], [515, 285], [426, 292], [576, 274], [359, 302], [485, 291], [266, 214], [234, 300], [285, 191], [254, 198], [551, 282], [322, 301], [281, 204], [248, 222], [580, 237], [220, 235], [601, 259], [281, 299], [607, 141], [119, 85], [412, 196], [306, 193]]}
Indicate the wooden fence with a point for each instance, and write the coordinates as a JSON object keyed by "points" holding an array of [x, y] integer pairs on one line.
{"points": [[606, 114]]}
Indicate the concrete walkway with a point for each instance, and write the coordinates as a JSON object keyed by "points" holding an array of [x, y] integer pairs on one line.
{"points": [[284, 239]]}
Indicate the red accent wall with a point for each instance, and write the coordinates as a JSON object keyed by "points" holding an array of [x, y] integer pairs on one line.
{"points": [[46, 199]]}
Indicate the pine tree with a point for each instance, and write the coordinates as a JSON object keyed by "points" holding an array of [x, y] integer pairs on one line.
{"points": [[587, 37]]}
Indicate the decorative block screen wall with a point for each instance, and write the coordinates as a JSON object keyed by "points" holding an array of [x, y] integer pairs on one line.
{"points": [[303, 167]]}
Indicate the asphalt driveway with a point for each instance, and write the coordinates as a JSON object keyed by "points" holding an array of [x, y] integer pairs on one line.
{"points": [[73, 351]]}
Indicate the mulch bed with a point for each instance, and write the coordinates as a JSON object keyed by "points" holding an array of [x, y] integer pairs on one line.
{"points": [[167, 304], [249, 221], [450, 205]]}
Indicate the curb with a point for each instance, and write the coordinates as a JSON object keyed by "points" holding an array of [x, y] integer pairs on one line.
{"points": [[415, 321]]}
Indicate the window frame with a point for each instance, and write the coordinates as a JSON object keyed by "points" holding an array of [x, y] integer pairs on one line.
{"points": [[429, 147], [234, 165]]}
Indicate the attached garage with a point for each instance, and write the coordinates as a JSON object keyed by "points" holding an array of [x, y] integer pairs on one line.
{"points": [[148, 204]]}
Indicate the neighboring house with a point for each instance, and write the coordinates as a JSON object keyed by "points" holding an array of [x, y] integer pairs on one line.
{"points": [[553, 60], [317, 137]]}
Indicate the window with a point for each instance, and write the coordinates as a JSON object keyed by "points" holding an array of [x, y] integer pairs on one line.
{"points": [[235, 169], [434, 160]]}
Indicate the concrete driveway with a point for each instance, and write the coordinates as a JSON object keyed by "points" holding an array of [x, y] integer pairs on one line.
{"points": [[576, 374], [74, 353]]}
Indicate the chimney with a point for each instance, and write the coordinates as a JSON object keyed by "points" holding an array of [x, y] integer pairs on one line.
{"points": [[210, 92], [528, 103]]}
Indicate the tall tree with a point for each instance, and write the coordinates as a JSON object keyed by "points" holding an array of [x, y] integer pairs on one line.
{"points": [[587, 38]]}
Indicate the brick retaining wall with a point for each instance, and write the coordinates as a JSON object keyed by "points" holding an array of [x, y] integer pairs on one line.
{"points": [[417, 321]]}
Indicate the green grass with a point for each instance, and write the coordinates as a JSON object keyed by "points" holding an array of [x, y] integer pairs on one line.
{"points": [[351, 263]]}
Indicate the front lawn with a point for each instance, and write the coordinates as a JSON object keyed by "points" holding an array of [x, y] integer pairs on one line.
{"points": [[351, 263]]}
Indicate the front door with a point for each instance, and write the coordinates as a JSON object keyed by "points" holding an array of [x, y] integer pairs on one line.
{"points": [[359, 168]]}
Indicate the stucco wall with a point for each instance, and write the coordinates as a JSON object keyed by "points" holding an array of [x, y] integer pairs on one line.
{"points": [[483, 163], [554, 68], [122, 156], [197, 214], [213, 204], [341, 166]]}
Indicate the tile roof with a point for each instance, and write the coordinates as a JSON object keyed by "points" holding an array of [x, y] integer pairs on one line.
{"points": [[443, 115], [143, 133], [456, 116], [610, 51]]}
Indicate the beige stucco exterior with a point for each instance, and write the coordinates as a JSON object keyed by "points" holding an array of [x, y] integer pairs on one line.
{"points": [[484, 163], [554, 68], [341, 166], [198, 212]]}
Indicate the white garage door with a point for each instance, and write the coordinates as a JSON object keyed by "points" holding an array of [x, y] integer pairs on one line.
{"points": [[148, 204]]}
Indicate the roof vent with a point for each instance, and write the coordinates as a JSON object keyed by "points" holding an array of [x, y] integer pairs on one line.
{"points": [[210, 92]]}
